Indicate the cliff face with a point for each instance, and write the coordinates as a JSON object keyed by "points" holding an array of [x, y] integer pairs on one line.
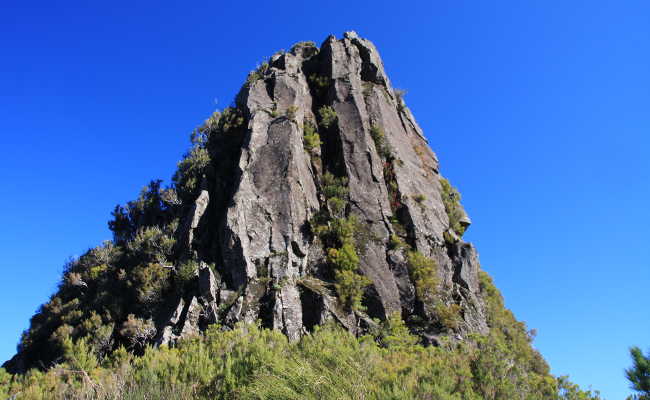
{"points": [[315, 198], [261, 240]]}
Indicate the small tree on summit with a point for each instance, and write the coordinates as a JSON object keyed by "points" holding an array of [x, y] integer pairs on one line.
{"points": [[639, 374]]}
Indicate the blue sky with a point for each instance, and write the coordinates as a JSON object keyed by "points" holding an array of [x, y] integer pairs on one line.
{"points": [[537, 110]]}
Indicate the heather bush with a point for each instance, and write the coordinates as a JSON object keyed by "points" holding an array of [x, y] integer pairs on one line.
{"points": [[327, 116], [424, 273], [381, 145], [311, 137], [448, 315], [451, 200], [252, 363]]}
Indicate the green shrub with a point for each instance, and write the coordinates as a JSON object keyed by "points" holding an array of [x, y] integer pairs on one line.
{"points": [[327, 116], [210, 125], [505, 330], [97, 271], [5, 380], [291, 113], [639, 374], [253, 77], [148, 210], [334, 186], [99, 333], [349, 287], [150, 281], [190, 171], [152, 244], [331, 363], [451, 200], [395, 334], [345, 258], [257, 74], [137, 331], [345, 229], [419, 197], [449, 237], [185, 274], [397, 225], [396, 243], [319, 81], [448, 315], [570, 391], [78, 355], [232, 119], [307, 43], [348, 283], [424, 273], [342, 237], [379, 138], [311, 137]]}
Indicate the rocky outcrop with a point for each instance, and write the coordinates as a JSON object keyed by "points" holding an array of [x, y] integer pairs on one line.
{"points": [[255, 229]]}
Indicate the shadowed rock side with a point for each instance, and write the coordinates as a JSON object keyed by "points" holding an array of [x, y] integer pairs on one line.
{"points": [[320, 200]]}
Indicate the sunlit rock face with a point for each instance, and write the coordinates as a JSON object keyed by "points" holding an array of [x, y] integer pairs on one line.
{"points": [[268, 258]]}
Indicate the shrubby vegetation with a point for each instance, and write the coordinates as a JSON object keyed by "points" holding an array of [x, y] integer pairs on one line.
{"points": [[424, 273], [311, 137], [191, 170], [639, 374], [108, 296], [252, 363], [379, 138], [291, 113], [419, 197], [448, 315], [451, 200], [327, 116], [509, 339], [320, 81], [307, 43], [319, 85], [150, 209], [343, 238], [257, 74]]}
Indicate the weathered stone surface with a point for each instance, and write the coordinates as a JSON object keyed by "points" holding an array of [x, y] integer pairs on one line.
{"points": [[190, 323], [166, 331], [191, 222], [208, 284], [263, 248]]}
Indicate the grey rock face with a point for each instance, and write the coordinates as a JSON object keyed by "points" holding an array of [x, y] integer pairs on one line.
{"points": [[255, 228]]}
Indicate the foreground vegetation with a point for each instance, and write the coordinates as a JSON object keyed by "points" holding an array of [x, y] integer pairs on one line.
{"points": [[252, 363], [639, 374], [249, 362]]}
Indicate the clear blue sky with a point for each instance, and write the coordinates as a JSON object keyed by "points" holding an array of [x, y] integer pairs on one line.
{"points": [[538, 111]]}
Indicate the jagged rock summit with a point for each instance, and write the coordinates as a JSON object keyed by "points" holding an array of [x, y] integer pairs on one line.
{"points": [[315, 198]]}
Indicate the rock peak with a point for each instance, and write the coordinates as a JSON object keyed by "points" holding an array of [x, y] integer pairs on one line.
{"points": [[316, 198]]}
